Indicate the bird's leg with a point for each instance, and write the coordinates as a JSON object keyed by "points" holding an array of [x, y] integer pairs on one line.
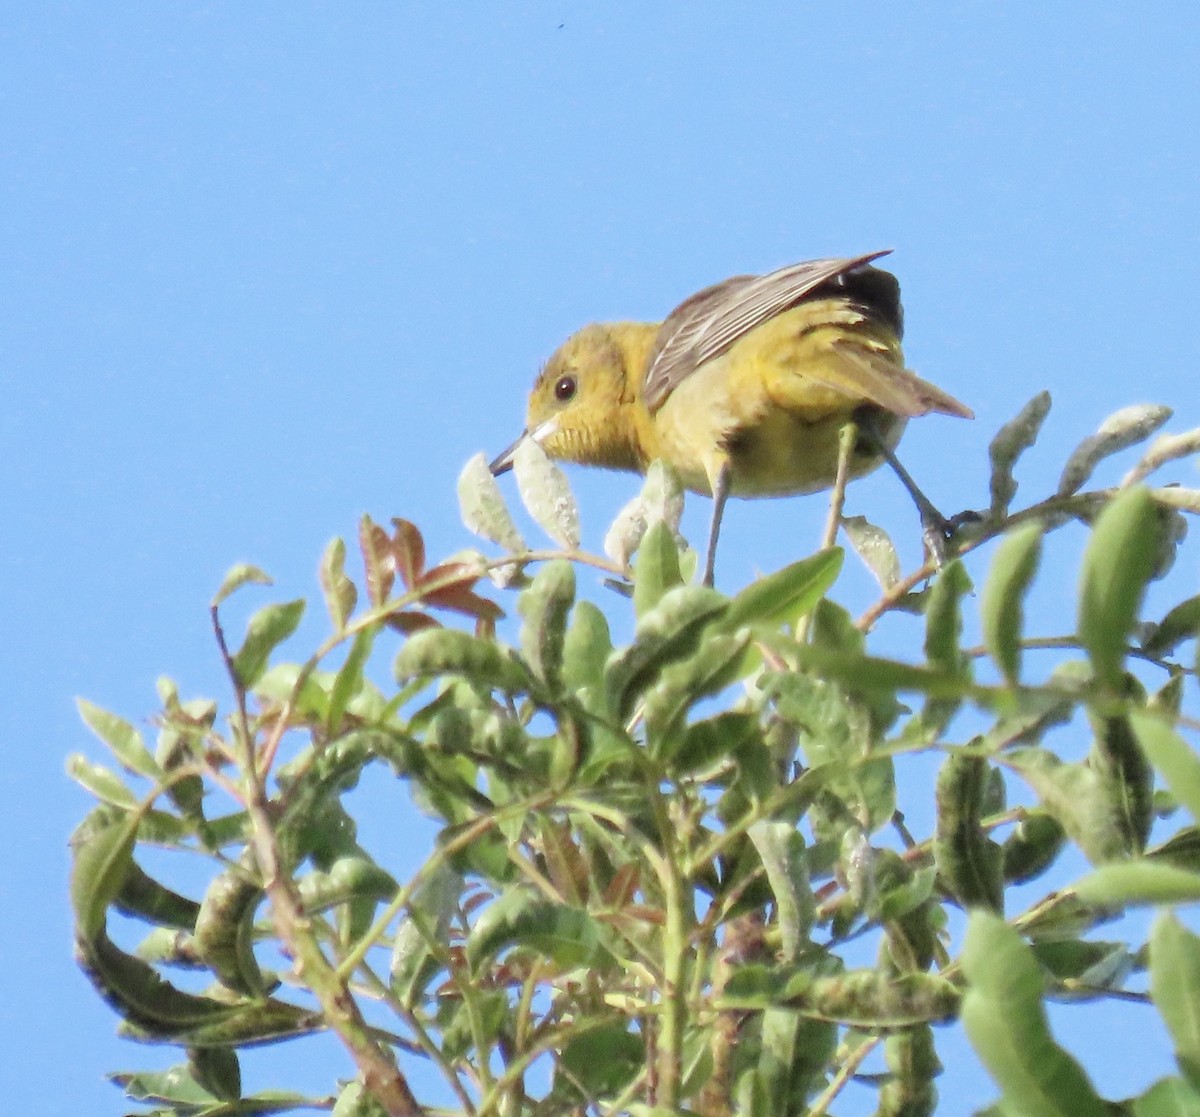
{"points": [[720, 494], [936, 529], [847, 439]]}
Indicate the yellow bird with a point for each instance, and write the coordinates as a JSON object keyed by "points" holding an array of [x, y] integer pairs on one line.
{"points": [[744, 387]]}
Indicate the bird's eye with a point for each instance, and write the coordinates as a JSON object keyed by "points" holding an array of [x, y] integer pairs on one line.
{"points": [[564, 388]]}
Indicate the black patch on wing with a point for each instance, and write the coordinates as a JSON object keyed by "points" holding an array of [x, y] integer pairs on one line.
{"points": [[872, 290]]}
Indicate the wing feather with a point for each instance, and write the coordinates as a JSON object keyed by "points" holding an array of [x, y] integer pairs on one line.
{"points": [[707, 324], [879, 381]]}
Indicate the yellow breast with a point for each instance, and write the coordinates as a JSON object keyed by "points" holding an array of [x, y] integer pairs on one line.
{"points": [[773, 405]]}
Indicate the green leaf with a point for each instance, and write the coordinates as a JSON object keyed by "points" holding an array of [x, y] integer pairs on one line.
{"points": [[1168, 699], [1087, 802], [943, 639], [1006, 1023], [726, 736], [586, 647], [781, 847], [718, 662], [863, 998], [340, 593], [268, 628], [1175, 986], [1125, 775], [120, 736], [1119, 560], [143, 897], [546, 494], [240, 575], [1028, 714], [1010, 442], [869, 675], [350, 877], [1139, 882], [657, 571], [162, 1013], [280, 683], [143, 998], [544, 607], [1093, 964], [602, 1060], [1173, 757], [349, 680], [102, 782], [355, 1100], [570, 937], [176, 1086], [912, 1064], [102, 859], [1181, 623], [874, 547], [224, 935], [794, 1055], [1032, 847], [217, 1069], [659, 501], [1168, 1097], [969, 863], [832, 629], [430, 911], [667, 633], [943, 618], [1165, 448], [441, 651], [1124, 428], [482, 506], [835, 732], [1001, 607], [1062, 915], [1181, 849], [898, 889], [788, 594]]}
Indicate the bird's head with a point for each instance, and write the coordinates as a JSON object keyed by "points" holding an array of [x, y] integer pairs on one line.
{"points": [[584, 401]]}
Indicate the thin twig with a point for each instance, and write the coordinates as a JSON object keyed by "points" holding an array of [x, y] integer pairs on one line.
{"points": [[380, 1073], [844, 1073]]}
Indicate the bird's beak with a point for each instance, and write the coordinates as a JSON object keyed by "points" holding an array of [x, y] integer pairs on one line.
{"points": [[503, 462]]}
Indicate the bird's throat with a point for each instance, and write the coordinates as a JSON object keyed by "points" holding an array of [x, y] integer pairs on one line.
{"points": [[620, 435], [614, 441]]}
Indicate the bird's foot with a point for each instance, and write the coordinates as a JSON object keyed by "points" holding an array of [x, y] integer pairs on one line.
{"points": [[938, 530]]}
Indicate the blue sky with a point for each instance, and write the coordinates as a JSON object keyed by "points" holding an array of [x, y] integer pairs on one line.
{"points": [[270, 266]]}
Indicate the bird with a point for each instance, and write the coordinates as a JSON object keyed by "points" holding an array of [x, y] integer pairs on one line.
{"points": [[744, 388]]}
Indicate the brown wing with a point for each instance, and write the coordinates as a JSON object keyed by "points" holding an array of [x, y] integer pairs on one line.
{"points": [[708, 323], [876, 378]]}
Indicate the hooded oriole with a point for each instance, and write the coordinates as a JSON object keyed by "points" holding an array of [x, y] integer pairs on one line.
{"points": [[743, 388]]}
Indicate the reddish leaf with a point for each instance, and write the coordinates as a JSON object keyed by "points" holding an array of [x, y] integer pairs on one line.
{"points": [[565, 863], [409, 548], [623, 887], [378, 561], [645, 914], [457, 595], [468, 603], [476, 900], [411, 622], [453, 573], [485, 628]]}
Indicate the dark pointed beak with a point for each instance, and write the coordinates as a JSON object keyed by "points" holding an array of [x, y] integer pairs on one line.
{"points": [[503, 462]]}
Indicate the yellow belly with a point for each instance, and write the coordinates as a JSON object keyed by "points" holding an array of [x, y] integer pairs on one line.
{"points": [[768, 407]]}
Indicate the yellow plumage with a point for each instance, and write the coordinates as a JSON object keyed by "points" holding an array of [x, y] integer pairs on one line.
{"points": [[744, 388]]}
